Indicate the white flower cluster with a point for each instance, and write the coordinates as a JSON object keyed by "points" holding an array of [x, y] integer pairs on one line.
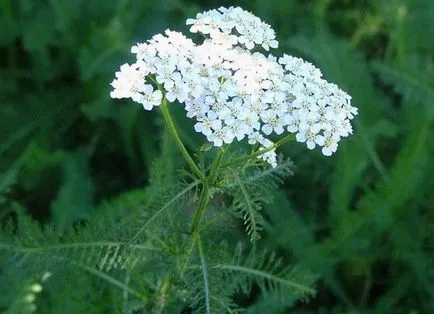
{"points": [[232, 92], [221, 25]]}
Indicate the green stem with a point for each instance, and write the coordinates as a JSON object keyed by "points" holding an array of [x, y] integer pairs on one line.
{"points": [[216, 165], [204, 272], [184, 152], [204, 196], [203, 202], [280, 142]]}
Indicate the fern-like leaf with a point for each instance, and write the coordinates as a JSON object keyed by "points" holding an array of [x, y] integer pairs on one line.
{"points": [[270, 274], [250, 188], [163, 203], [110, 279], [249, 205]]}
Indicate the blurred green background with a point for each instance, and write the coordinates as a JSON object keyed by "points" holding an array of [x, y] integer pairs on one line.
{"points": [[362, 219]]}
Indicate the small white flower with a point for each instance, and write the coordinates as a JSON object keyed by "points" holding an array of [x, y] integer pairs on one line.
{"points": [[197, 108], [151, 98], [255, 137], [221, 136], [208, 124], [272, 122], [329, 143]]}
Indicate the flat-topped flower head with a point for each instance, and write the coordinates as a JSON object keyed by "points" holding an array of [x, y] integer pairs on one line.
{"points": [[232, 93]]}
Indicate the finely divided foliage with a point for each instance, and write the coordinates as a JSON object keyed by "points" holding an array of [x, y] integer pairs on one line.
{"points": [[175, 267]]}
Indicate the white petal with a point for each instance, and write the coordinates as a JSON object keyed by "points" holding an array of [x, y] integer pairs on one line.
{"points": [[267, 129]]}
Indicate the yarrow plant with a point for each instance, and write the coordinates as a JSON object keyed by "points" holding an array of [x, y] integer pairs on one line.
{"points": [[233, 89], [234, 92]]}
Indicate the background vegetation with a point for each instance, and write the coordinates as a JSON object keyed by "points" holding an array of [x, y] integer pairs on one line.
{"points": [[362, 220]]}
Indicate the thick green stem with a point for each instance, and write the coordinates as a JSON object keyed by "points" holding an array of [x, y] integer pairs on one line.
{"points": [[204, 196], [174, 132], [204, 272], [216, 165], [280, 142], [203, 202]]}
